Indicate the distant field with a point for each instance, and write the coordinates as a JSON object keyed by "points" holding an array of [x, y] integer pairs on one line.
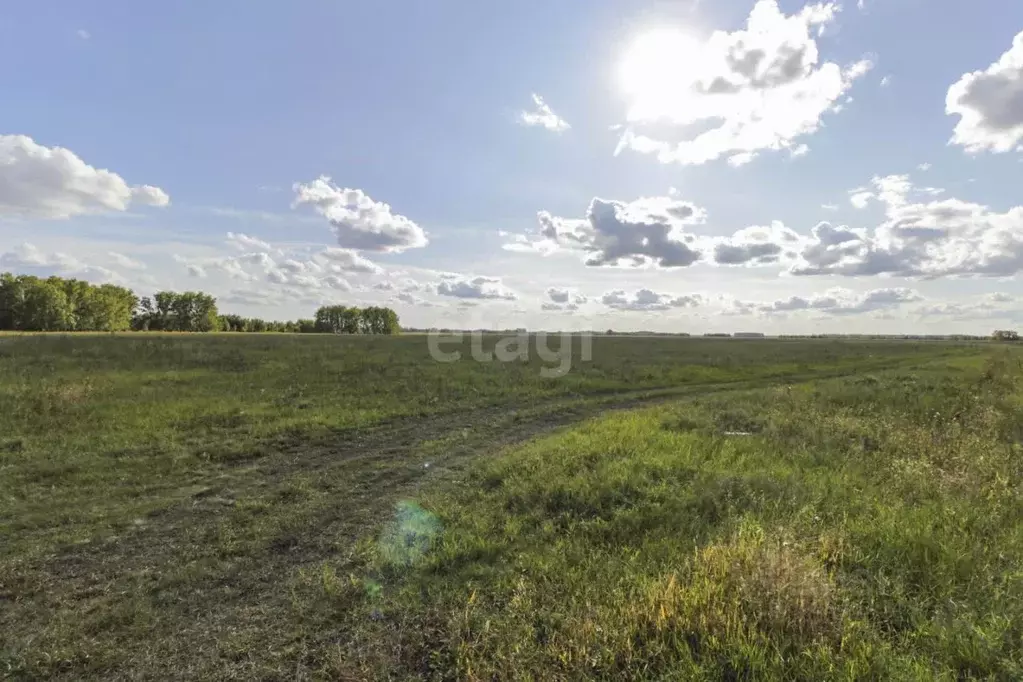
{"points": [[288, 506]]}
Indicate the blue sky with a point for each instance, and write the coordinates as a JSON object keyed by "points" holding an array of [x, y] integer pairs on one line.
{"points": [[629, 164]]}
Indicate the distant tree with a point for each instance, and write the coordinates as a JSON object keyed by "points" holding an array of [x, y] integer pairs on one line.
{"points": [[56, 304], [351, 321], [30, 303], [1005, 335], [330, 319], [46, 307], [143, 315]]}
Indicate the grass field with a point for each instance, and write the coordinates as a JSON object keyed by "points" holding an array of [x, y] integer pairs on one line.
{"points": [[294, 507]]}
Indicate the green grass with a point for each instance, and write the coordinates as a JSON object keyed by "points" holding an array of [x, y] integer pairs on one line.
{"points": [[868, 528], [273, 506]]}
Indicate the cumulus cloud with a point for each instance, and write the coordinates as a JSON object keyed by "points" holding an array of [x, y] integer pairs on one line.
{"points": [[125, 262], [25, 255], [410, 299], [246, 243], [652, 233], [920, 237], [959, 311], [756, 245], [28, 256], [543, 116], [254, 298], [844, 302], [321, 270], [457, 286], [565, 296], [646, 232], [228, 265], [358, 221], [565, 300], [52, 182], [989, 104], [860, 198], [645, 300], [348, 260], [759, 88], [336, 282]]}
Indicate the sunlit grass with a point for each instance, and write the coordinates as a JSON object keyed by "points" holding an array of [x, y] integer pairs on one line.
{"points": [[867, 528], [280, 506]]}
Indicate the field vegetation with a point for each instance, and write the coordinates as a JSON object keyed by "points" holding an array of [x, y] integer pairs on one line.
{"points": [[345, 507]]}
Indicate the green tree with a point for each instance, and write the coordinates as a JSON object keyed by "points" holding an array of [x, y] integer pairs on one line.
{"points": [[46, 307], [351, 321]]}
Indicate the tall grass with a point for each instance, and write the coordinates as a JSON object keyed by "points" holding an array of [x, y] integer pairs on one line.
{"points": [[279, 507], [866, 528]]}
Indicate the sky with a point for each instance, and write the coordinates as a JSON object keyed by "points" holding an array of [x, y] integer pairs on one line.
{"points": [[664, 165]]}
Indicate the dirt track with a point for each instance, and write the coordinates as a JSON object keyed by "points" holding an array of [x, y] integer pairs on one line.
{"points": [[212, 561]]}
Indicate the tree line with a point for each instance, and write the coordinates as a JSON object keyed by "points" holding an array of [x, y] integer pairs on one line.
{"points": [[29, 303]]}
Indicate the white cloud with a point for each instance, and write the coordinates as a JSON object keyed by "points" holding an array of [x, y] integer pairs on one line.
{"points": [[28, 256], [860, 199], [24, 255], [756, 245], [253, 298], [251, 215], [741, 159], [990, 105], [958, 311], [645, 300], [920, 237], [125, 262], [458, 286], [196, 271], [406, 297], [844, 302], [646, 232], [886, 81], [336, 282], [246, 243], [829, 207], [348, 260], [52, 182], [83, 34], [543, 116], [558, 295], [833, 302], [760, 88], [358, 221], [924, 167], [565, 300]]}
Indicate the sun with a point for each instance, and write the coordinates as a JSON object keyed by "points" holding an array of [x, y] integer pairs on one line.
{"points": [[658, 65]]}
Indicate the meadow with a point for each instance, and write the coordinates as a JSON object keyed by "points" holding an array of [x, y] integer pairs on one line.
{"points": [[345, 507]]}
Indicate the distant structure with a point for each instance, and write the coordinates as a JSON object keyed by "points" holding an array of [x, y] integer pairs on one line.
{"points": [[749, 335]]}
